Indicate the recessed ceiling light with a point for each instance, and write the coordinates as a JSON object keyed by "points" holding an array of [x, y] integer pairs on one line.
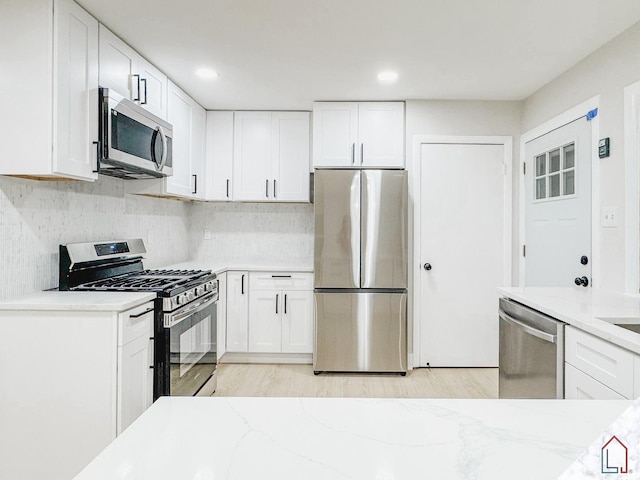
{"points": [[388, 76], [206, 73]]}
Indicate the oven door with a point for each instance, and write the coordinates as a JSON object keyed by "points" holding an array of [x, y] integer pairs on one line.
{"points": [[190, 346]]}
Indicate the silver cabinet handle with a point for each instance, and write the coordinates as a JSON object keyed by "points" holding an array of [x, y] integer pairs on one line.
{"points": [[361, 153], [137, 99], [547, 337], [144, 80], [353, 154], [266, 188]]}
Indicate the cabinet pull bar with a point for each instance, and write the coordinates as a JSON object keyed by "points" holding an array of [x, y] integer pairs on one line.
{"points": [[285, 303], [353, 154], [266, 189], [274, 188], [141, 313], [195, 183], [227, 188], [361, 153], [137, 99], [97, 170], [242, 285], [277, 302], [144, 80], [280, 276]]}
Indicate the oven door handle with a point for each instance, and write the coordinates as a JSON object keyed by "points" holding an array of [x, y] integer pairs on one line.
{"points": [[172, 319]]}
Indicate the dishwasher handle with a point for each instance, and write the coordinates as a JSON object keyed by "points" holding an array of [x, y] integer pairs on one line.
{"points": [[547, 337]]}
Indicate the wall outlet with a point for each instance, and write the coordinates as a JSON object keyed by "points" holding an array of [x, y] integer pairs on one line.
{"points": [[609, 218], [207, 234]]}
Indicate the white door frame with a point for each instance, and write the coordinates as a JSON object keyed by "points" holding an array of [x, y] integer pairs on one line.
{"points": [[414, 212], [632, 180], [569, 116]]}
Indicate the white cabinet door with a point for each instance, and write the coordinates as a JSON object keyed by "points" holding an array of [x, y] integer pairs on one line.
{"points": [[153, 89], [252, 179], [335, 134], [179, 107], [219, 154], [118, 64], [237, 311], [75, 109], [290, 156], [580, 386], [135, 380], [198, 132], [297, 322], [380, 134], [265, 321]]}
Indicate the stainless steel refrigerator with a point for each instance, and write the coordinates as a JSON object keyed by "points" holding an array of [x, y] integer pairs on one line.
{"points": [[360, 266]]}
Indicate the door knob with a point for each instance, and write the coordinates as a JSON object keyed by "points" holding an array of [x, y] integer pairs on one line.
{"points": [[584, 281], [427, 266]]}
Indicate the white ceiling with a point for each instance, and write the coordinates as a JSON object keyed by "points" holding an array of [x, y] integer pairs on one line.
{"points": [[284, 54]]}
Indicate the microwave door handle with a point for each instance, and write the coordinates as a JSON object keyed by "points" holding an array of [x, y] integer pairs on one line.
{"points": [[163, 158]]}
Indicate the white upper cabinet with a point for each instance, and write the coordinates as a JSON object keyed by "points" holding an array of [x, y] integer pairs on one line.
{"points": [[271, 156], [357, 135], [51, 68], [124, 71], [219, 156]]}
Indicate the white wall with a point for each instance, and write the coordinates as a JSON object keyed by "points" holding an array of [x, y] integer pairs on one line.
{"points": [[606, 73], [462, 117], [35, 217], [257, 234]]}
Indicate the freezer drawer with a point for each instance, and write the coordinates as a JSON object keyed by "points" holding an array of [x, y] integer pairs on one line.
{"points": [[360, 332]]}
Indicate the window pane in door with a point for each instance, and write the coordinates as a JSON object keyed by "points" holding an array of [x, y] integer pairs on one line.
{"points": [[554, 161], [540, 165], [541, 188], [554, 185], [569, 156], [569, 182]]}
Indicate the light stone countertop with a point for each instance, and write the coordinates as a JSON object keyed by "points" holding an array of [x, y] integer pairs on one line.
{"points": [[217, 268], [583, 308], [78, 301], [335, 438]]}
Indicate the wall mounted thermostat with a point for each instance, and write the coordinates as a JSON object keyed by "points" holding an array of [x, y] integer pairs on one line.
{"points": [[603, 147]]}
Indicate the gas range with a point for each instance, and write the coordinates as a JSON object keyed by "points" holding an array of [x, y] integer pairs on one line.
{"points": [[185, 307]]}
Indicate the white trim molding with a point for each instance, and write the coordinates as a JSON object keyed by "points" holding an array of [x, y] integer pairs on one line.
{"points": [[632, 192], [415, 169], [561, 120]]}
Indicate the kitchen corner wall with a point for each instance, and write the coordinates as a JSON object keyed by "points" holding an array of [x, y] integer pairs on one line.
{"points": [[252, 234], [606, 72], [35, 217]]}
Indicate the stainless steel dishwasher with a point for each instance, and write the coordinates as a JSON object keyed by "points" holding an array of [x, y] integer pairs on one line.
{"points": [[531, 357]]}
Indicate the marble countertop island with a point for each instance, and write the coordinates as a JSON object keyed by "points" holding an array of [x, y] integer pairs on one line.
{"points": [[360, 439]]}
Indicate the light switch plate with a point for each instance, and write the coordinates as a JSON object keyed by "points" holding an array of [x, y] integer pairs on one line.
{"points": [[609, 217]]}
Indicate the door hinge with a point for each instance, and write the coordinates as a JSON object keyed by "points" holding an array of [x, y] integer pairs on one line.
{"points": [[524, 168], [524, 250]]}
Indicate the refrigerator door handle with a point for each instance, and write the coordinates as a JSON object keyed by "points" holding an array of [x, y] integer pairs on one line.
{"points": [[356, 189]]}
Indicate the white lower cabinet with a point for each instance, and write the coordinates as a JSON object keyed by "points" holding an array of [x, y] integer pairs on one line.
{"points": [[598, 369], [580, 386], [85, 377], [269, 312]]}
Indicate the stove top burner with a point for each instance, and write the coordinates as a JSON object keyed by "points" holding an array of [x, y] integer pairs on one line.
{"points": [[162, 281]]}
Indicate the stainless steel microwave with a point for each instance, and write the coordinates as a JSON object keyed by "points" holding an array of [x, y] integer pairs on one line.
{"points": [[134, 143]]}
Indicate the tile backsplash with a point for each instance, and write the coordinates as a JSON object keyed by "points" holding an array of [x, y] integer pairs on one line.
{"points": [[35, 217]]}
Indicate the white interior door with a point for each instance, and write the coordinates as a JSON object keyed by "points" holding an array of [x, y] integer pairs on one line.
{"points": [[462, 218], [558, 206]]}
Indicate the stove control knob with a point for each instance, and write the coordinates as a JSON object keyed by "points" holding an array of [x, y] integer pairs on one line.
{"points": [[200, 290], [182, 299], [208, 286], [190, 295]]}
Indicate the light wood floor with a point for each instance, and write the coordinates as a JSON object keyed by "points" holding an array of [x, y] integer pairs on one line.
{"points": [[253, 380]]}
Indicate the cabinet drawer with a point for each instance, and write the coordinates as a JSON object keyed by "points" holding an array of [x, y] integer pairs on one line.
{"points": [[280, 281], [603, 361], [580, 386], [135, 323]]}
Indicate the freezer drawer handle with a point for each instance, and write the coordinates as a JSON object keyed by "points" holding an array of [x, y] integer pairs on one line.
{"points": [[547, 337]]}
